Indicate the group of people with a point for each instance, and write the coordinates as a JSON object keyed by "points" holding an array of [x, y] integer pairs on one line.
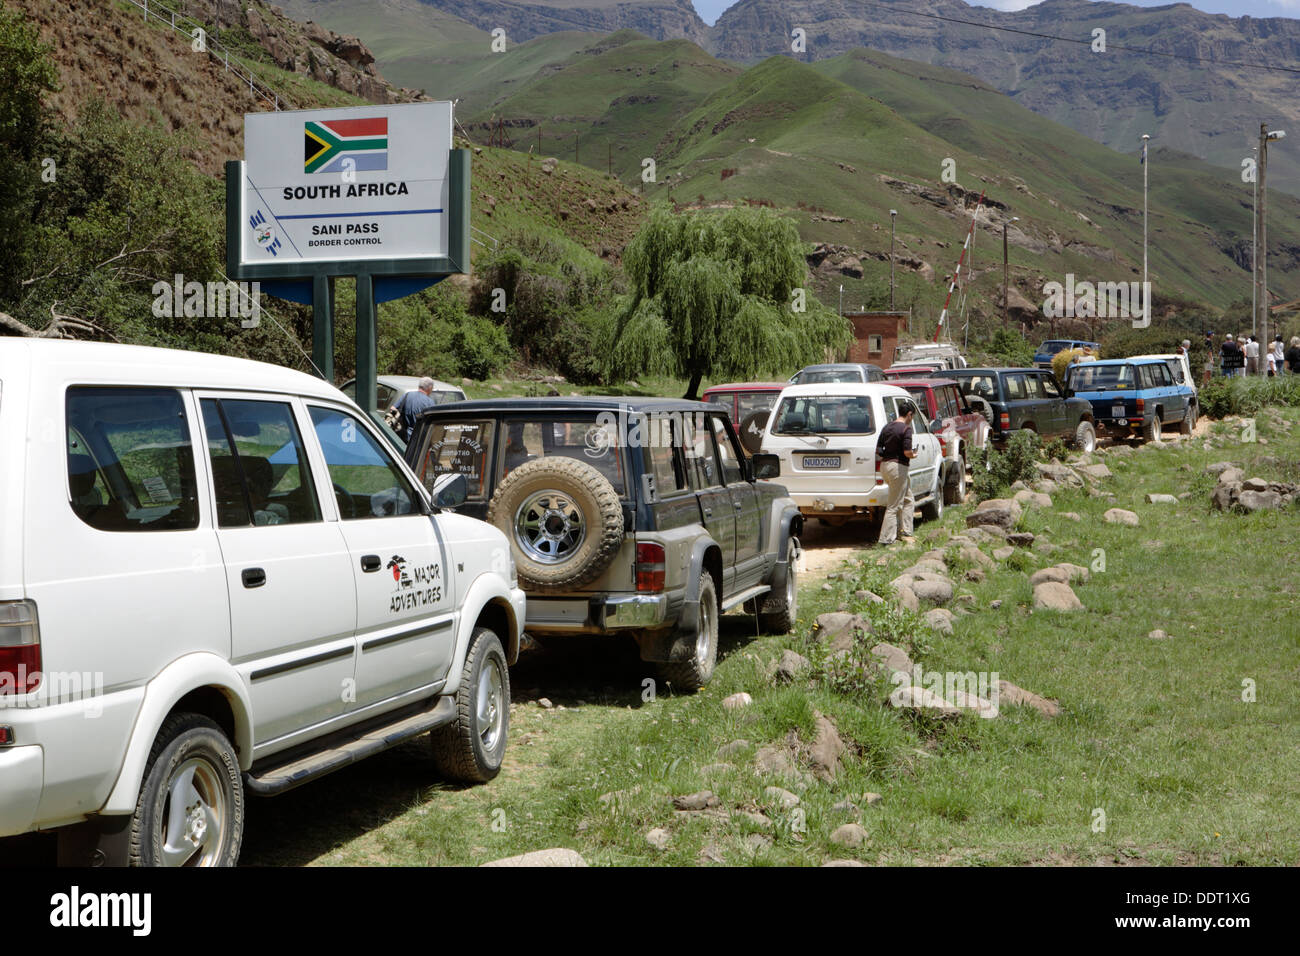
{"points": [[1240, 355]]}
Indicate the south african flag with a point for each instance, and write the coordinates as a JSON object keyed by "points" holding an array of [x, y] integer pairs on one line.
{"points": [[328, 143]]}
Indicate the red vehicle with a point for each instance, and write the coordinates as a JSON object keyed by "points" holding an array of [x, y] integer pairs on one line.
{"points": [[912, 371], [743, 398], [964, 428]]}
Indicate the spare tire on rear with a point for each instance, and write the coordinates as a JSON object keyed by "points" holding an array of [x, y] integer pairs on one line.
{"points": [[563, 519]]}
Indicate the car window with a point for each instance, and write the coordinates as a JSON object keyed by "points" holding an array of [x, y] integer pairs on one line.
{"points": [[728, 453], [1161, 373], [983, 386], [751, 402], [385, 397], [667, 460], [130, 459], [459, 448], [367, 482], [701, 459], [1017, 387], [259, 468], [726, 400], [824, 414], [1175, 370], [953, 399], [918, 392], [583, 439], [1049, 386]]}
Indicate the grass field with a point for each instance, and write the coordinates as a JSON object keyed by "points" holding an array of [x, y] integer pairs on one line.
{"points": [[1155, 734]]}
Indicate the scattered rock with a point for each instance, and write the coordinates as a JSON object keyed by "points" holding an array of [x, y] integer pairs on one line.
{"points": [[1158, 635], [1070, 516], [737, 701], [975, 556], [1033, 499], [844, 863], [758, 819], [1154, 499], [1120, 516], [865, 595], [733, 748], [658, 838], [921, 699], [544, 703], [893, 657], [1254, 484], [939, 619], [1096, 471], [1000, 512], [1009, 693], [974, 575], [1055, 596], [790, 666], [872, 799], [840, 629], [1020, 539], [700, 800], [774, 759], [1231, 476], [1218, 468], [846, 807], [712, 854], [1003, 553], [826, 749], [756, 842], [782, 797], [1249, 501], [1061, 573], [557, 856], [994, 605], [936, 592], [849, 834], [906, 598]]}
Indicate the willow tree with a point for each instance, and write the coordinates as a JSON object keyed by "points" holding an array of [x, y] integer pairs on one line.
{"points": [[720, 295]]}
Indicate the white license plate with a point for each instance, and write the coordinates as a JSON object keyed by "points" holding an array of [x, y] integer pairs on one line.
{"points": [[1117, 411], [828, 461]]}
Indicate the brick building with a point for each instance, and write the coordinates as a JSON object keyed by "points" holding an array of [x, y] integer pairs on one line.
{"points": [[875, 335]]}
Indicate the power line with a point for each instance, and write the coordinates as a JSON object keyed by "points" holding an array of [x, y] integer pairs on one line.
{"points": [[1077, 40]]}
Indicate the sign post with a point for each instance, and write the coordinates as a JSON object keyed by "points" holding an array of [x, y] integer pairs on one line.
{"points": [[375, 192]]}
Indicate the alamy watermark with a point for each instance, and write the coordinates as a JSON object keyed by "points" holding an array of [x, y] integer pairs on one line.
{"points": [[978, 691], [53, 687], [1098, 300], [208, 300]]}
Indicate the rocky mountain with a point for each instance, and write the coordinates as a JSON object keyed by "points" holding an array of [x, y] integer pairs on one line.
{"points": [[1187, 94]]}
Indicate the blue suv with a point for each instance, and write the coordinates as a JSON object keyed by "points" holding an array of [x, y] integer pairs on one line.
{"points": [[1132, 398], [1047, 351]]}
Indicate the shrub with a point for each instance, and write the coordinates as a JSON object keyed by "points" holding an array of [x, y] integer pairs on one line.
{"points": [[1010, 349], [478, 347], [1005, 468], [1063, 359], [1245, 396]]}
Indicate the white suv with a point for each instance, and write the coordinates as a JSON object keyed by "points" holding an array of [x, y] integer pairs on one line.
{"points": [[216, 579], [825, 436]]}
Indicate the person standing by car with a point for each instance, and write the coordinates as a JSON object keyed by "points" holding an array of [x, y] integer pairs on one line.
{"points": [[1251, 351], [895, 449], [1279, 356], [410, 405]]}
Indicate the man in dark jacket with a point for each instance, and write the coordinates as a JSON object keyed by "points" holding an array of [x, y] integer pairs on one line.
{"points": [[1233, 359], [895, 450]]}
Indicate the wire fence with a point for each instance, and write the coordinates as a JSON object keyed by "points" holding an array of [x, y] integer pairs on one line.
{"points": [[187, 26]]}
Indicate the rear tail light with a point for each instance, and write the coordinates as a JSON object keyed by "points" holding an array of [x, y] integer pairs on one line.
{"points": [[1004, 421], [649, 567], [20, 648], [1141, 405]]}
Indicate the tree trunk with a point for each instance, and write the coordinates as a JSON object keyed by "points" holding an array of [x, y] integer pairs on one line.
{"points": [[694, 387]]}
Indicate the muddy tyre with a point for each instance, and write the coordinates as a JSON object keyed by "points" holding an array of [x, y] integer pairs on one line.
{"points": [[777, 611], [1188, 424], [563, 519], [471, 749], [691, 675], [1085, 437]]}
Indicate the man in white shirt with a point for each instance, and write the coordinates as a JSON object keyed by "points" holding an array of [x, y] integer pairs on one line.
{"points": [[1251, 349]]}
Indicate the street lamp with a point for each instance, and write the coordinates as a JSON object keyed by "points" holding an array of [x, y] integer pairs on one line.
{"points": [[1146, 295], [1261, 228], [893, 216], [1005, 303]]}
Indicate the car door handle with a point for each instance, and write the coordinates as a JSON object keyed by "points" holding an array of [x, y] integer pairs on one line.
{"points": [[252, 577], [370, 562], [738, 505], [708, 512]]}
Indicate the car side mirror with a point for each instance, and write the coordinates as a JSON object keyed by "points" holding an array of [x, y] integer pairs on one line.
{"points": [[449, 490], [936, 425], [766, 466]]}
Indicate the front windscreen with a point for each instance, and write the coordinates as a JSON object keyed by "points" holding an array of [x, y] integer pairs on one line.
{"points": [[1094, 378], [825, 376]]}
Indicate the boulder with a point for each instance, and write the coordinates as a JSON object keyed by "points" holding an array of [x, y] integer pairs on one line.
{"points": [[1060, 573], [1033, 499], [733, 748], [789, 667], [849, 834], [1154, 499], [557, 856], [1231, 476], [1224, 496], [974, 575], [1218, 468], [737, 701], [1003, 553], [1096, 471], [1061, 474], [1254, 484], [826, 749], [1070, 516], [1020, 539], [1158, 635], [906, 598], [1045, 486], [781, 797], [893, 657], [865, 595], [939, 619], [1055, 596], [921, 700], [840, 629], [975, 556], [774, 758], [658, 838], [1120, 516], [701, 800], [999, 512], [1249, 501], [1009, 693], [934, 591]]}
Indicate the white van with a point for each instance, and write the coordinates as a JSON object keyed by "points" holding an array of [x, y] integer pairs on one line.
{"points": [[216, 579], [825, 436]]}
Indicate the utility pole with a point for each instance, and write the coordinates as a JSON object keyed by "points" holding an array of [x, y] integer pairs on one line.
{"points": [[893, 215], [841, 298], [1146, 296], [1006, 302], [1254, 248], [1261, 273], [575, 147], [609, 162]]}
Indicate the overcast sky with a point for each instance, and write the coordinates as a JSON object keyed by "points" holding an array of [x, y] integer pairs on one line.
{"points": [[710, 10]]}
